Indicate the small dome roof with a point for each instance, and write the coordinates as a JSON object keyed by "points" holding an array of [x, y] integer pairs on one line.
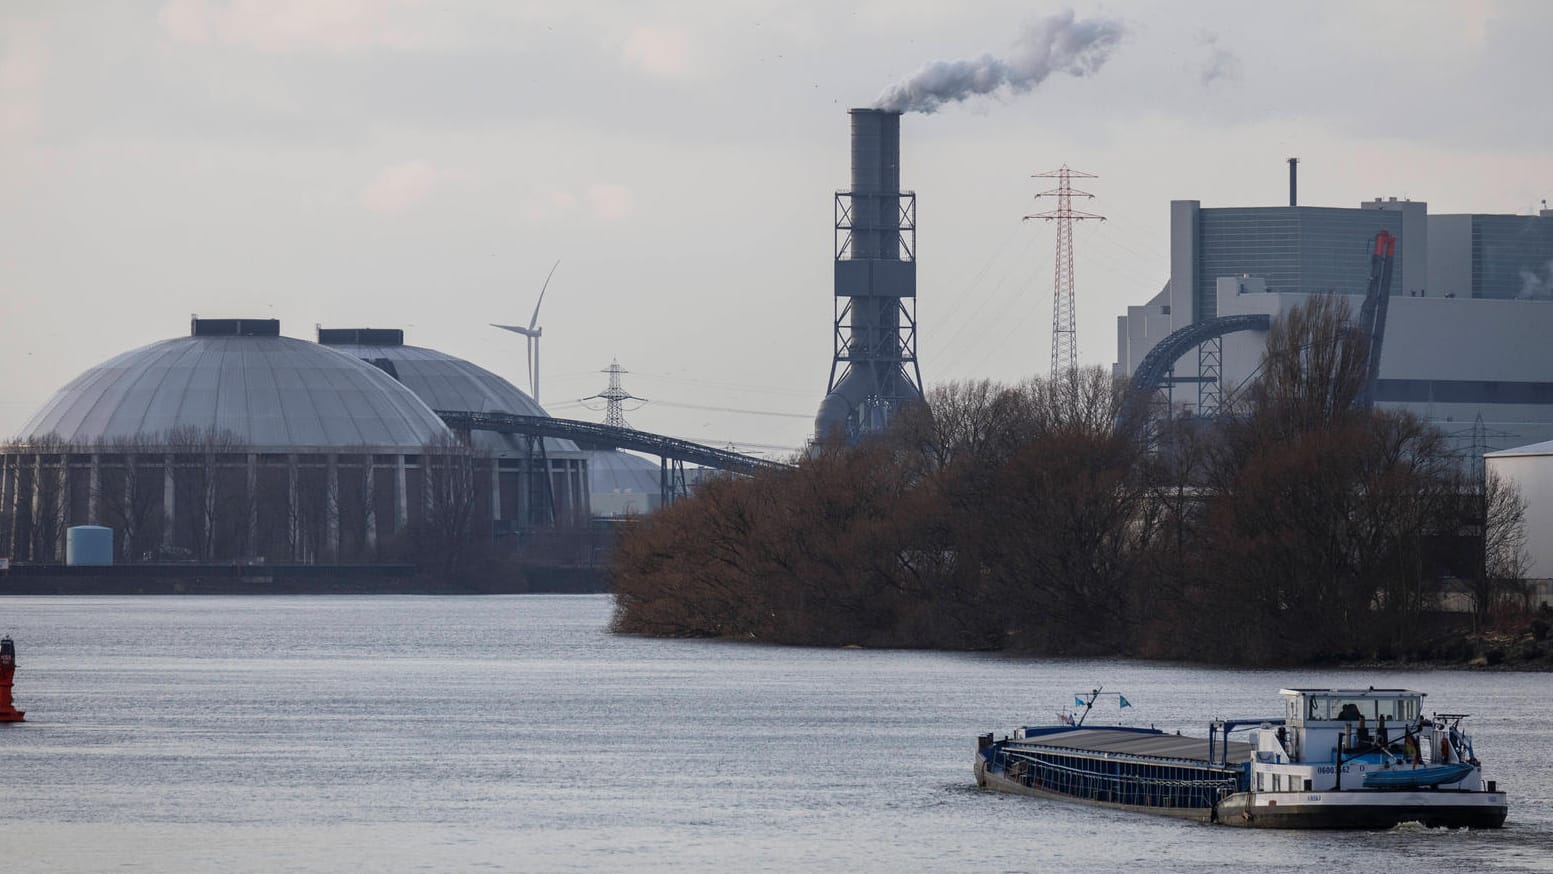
{"points": [[276, 394], [611, 470], [445, 382]]}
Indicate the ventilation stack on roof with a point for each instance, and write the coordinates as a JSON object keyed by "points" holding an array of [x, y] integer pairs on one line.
{"points": [[361, 336], [199, 327]]}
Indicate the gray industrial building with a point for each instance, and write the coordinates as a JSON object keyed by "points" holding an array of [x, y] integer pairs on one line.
{"points": [[1471, 306]]}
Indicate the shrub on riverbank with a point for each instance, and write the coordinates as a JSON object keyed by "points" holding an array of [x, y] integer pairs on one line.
{"points": [[1307, 529]]}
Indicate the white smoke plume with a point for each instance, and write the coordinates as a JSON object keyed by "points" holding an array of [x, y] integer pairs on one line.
{"points": [[1221, 63], [1537, 284], [1058, 44]]}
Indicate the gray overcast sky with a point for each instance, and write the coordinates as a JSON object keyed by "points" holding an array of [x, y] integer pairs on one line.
{"points": [[422, 164]]}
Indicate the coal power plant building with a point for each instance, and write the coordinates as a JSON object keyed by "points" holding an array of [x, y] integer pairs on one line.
{"points": [[236, 443], [1465, 335]]}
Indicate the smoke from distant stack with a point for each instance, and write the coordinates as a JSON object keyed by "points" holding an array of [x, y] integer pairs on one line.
{"points": [[1060, 43]]}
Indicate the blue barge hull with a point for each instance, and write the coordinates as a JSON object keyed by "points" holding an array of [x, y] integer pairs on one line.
{"points": [[1138, 768]]}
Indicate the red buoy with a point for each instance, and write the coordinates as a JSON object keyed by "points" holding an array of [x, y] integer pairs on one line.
{"points": [[8, 711]]}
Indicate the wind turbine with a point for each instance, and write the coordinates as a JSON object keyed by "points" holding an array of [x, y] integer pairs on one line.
{"points": [[532, 333]]}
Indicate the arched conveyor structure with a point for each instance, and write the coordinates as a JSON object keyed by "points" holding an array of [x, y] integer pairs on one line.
{"points": [[609, 436], [1151, 373]]}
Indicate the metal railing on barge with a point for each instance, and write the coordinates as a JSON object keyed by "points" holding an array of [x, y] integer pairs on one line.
{"points": [[1119, 781]]}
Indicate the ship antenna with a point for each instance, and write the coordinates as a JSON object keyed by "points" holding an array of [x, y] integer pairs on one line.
{"points": [[1088, 706]]}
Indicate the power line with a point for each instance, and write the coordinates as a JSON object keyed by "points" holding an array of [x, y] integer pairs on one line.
{"points": [[568, 405], [741, 387], [951, 355], [734, 410]]}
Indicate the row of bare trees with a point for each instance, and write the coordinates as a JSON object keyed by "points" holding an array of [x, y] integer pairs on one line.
{"points": [[1017, 517]]}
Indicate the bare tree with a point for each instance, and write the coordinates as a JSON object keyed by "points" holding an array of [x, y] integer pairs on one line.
{"points": [[1500, 526], [210, 499], [689, 570], [356, 498], [1077, 401], [1313, 370], [129, 492], [450, 476], [1320, 510], [971, 423], [7, 507], [43, 493], [309, 504]]}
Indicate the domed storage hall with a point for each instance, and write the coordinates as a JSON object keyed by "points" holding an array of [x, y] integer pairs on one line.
{"points": [[233, 443], [538, 481]]}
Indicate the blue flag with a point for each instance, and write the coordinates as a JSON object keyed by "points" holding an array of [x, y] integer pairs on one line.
{"points": [[1077, 701], [1125, 702]]}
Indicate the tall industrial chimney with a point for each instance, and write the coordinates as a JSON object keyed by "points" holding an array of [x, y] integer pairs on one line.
{"points": [[1294, 164], [875, 288]]}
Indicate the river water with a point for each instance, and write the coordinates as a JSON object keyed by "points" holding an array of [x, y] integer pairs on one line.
{"points": [[517, 734]]}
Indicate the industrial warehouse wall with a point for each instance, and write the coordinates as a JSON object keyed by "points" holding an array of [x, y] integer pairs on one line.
{"points": [[207, 509], [1533, 478], [226, 506]]}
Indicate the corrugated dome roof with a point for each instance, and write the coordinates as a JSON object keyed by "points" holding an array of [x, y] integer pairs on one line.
{"points": [[611, 470], [277, 394], [622, 484], [445, 382]]}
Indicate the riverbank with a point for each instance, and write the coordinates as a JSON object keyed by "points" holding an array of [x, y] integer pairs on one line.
{"points": [[1528, 650], [296, 579]]}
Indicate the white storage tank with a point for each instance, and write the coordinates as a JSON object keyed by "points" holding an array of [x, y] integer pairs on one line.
{"points": [[88, 545]]}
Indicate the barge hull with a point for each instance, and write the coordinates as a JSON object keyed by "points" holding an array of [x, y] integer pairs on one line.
{"points": [[1365, 810], [998, 782]]}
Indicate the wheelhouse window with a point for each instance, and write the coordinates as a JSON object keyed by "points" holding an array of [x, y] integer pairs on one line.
{"points": [[1339, 709]]}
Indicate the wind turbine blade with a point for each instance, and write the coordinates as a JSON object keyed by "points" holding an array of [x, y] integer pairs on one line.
{"points": [[535, 320], [533, 361], [516, 329]]}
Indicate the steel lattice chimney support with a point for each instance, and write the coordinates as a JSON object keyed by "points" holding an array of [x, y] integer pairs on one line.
{"points": [[874, 369]]}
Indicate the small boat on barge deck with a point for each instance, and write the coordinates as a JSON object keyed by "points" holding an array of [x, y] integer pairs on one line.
{"points": [[1338, 759]]}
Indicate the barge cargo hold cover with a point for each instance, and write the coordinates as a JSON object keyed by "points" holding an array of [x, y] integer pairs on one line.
{"points": [[1129, 767]]}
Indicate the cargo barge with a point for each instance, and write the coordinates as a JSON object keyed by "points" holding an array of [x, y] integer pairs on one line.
{"points": [[1337, 759]]}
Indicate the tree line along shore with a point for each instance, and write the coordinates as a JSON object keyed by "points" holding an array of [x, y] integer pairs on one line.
{"points": [[1304, 528]]}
